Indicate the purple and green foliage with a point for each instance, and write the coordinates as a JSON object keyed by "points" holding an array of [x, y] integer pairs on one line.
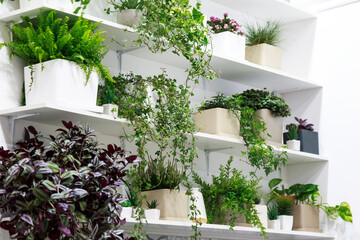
{"points": [[64, 189], [304, 125]]}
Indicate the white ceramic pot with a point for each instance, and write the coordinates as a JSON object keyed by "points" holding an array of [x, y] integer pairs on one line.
{"points": [[129, 17], [274, 224], [8, 6], [262, 214], [96, 8], [126, 212], [229, 45], [286, 222], [11, 73], [62, 5], [293, 144], [265, 55], [152, 214], [61, 82], [200, 205], [111, 110]]}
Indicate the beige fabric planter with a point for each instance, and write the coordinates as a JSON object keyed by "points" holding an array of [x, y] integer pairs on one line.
{"points": [[273, 127], [218, 121], [173, 204], [265, 55], [306, 218]]}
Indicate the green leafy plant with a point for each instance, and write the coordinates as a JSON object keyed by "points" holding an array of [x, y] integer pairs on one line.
{"points": [[127, 4], [221, 101], [132, 197], [107, 95], [231, 192], [262, 99], [152, 205], [293, 132], [273, 213], [65, 189], [125, 204], [259, 33], [49, 37], [284, 203]]}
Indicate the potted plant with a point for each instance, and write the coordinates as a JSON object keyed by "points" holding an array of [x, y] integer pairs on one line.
{"points": [[262, 212], [216, 116], [62, 189], [229, 199], [274, 222], [152, 213], [63, 69], [126, 210], [129, 11], [107, 98], [261, 44], [292, 141], [309, 139], [270, 108], [8, 6], [227, 38]]}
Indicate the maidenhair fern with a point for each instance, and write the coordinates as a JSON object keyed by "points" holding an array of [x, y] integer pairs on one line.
{"points": [[48, 37]]}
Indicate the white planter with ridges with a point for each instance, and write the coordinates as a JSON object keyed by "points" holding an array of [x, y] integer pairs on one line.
{"points": [[274, 224], [199, 203], [152, 214], [61, 82], [286, 222], [126, 212], [229, 45], [129, 17], [293, 144]]}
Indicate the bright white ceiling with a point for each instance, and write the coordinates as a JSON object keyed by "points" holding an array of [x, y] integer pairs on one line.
{"points": [[321, 5]]}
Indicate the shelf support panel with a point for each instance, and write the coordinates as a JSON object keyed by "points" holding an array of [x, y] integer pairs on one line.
{"points": [[12, 125], [207, 157]]}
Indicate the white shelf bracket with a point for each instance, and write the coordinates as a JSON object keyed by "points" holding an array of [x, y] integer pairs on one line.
{"points": [[123, 142], [207, 157], [12, 125], [120, 54]]}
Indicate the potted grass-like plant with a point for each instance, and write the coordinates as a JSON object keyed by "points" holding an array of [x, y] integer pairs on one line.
{"points": [[293, 141], [107, 99], [152, 213], [227, 38], [129, 11], [273, 215], [262, 42]]}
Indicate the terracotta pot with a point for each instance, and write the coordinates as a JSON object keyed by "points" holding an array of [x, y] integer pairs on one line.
{"points": [[218, 121], [173, 204], [306, 218], [273, 127], [265, 55]]}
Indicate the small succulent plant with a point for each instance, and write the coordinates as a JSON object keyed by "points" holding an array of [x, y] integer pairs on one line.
{"points": [[304, 125], [152, 205]]}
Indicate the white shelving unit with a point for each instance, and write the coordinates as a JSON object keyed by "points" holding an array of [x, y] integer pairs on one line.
{"points": [[213, 231]]}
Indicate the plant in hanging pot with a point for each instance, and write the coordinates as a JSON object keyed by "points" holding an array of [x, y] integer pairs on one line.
{"points": [[227, 38], [270, 108], [261, 43], [216, 116], [274, 222], [152, 213], [292, 141], [129, 11], [229, 199], [309, 139], [64, 59], [64, 189]]}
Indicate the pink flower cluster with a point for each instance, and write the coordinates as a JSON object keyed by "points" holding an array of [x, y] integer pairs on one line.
{"points": [[224, 25]]}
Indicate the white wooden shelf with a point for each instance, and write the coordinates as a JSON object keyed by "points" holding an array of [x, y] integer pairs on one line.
{"points": [[214, 231], [53, 114], [243, 72], [269, 9], [116, 33]]}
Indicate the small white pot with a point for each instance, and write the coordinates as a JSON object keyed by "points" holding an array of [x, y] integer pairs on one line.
{"points": [[111, 110], [152, 214], [286, 222], [199, 203], [274, 224], [229, 45], [129, 17], [8, 6], [262, 214], [62, 5], [293, 144], [61, 82], [126, 212]]}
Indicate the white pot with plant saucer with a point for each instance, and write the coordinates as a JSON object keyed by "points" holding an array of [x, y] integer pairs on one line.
{"points": [[129, 17]]}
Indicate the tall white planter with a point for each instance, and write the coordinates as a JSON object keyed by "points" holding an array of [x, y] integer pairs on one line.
{"points": [[11, 73], [286, 222], [8, 6], [229, 45], [62, 5], [129, 17], [199, 203], [262, 214], [61, 82]]}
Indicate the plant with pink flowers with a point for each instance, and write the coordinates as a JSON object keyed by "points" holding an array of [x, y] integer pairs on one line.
{"points": [[224, 25]]}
